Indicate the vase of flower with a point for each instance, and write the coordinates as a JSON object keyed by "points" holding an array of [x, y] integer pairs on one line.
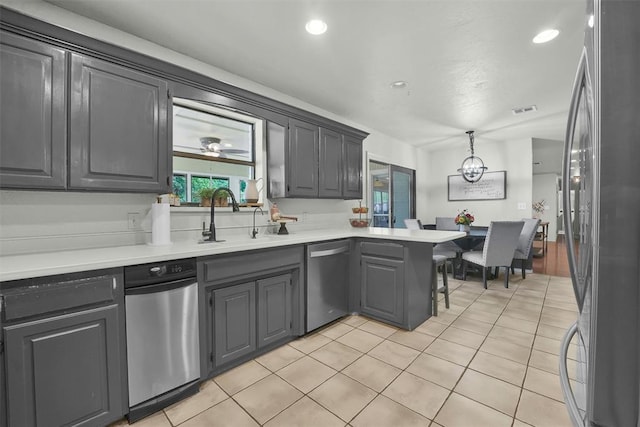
{"points": [[464, 220]]}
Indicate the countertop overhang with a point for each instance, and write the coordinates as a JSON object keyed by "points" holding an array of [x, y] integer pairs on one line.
{"points": [[15, 267]]}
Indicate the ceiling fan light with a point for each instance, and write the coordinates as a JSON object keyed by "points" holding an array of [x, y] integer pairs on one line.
{"points": [[546, 36]]}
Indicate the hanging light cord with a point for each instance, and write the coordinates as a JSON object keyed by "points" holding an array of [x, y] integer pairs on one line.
{"points": [[471, 138]]}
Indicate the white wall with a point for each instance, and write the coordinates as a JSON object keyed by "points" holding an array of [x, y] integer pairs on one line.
{"points": [[46, 221], [434, 165], [545, 188]]}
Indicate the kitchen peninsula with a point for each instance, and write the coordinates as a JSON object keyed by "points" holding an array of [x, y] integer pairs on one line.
{"points": [[250, 300]]}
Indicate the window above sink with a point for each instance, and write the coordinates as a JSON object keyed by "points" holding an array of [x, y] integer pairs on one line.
{"points": [[213, 146]]}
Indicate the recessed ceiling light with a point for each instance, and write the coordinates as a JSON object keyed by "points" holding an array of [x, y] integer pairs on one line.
{"points": [[399, 84], [316, 27], [546, 36]]}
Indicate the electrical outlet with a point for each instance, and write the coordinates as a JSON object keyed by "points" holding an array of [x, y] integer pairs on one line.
{"points": [[522, 206], [305, 216], [133, 220]]}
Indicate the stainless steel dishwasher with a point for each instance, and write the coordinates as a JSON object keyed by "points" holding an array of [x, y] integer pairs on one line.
{"points": [[327, 282], [161, 307]]}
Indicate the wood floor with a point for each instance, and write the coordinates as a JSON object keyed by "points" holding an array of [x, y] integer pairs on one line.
{"points": [[555, 262]]}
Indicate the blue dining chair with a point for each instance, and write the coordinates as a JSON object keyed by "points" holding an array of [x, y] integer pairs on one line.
{"points": [[498, 250]]}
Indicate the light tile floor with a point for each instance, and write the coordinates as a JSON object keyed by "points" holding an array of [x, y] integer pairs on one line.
{"points": [[491, 359]]}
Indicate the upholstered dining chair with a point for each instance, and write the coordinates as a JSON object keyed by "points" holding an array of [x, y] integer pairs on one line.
{"points": [[498, 250], [525, 243], [448, 224], [439, 260]]}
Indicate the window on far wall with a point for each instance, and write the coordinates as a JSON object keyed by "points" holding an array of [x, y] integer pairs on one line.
{"points": [[186, 185]]}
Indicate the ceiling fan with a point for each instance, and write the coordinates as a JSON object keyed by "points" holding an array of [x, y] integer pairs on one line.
{"points": [[212, 146]]}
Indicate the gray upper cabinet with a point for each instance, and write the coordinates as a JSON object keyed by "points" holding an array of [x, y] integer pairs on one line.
{"points": [[352, 161], [302, 159], [119, 137], [33, 117], [330, 167], [311, 161]]}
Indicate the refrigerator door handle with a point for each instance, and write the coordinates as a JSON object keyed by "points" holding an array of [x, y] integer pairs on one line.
{"points": [[576, 93], [569, 397]]}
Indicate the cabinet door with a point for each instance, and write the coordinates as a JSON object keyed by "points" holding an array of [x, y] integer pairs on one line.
{"points": [[33, 119], [352, 161], [330, 169], [274, 309], [235, 322], [65, 370], [119, 137], [302, 159], [382, 288]]}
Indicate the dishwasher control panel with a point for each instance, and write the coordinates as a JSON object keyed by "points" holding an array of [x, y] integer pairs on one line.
{"points": [[146, 274]]}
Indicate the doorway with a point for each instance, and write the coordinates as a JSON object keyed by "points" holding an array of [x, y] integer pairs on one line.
{"points": [[392, 191]]}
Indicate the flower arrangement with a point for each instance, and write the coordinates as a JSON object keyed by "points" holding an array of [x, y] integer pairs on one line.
{"points": [[464, 218]]}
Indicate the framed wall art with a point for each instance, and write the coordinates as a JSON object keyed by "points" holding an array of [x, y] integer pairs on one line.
{"points": [[492, 186]]}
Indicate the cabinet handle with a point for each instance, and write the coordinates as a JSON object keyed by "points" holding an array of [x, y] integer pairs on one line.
{"points": [[115, 284]]}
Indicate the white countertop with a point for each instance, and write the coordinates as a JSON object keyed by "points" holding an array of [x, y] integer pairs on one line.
{"points": [[45, 264]]}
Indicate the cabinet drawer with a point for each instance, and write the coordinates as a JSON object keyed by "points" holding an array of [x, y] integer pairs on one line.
{"points": [[41, 298], [387, 250], [223, 269]]}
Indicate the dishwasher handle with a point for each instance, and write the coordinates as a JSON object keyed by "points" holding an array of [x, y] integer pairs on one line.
{"points": [[329, 252], [160, 287]]}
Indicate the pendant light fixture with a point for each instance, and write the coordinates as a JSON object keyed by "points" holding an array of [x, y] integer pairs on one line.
{"points": [[472, 167]]}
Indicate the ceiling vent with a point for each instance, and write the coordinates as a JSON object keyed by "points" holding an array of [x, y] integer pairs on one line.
{"points": [[523, 110]]}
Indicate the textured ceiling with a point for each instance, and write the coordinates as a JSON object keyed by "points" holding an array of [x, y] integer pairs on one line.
{"points": [[467, 63]]}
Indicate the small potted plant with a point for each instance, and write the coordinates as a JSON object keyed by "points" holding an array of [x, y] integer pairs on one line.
{"points": [[205, 195], [222, 198], [464, 220]]}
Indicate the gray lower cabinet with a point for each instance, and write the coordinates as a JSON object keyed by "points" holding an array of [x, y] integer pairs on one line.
{"points": [[64, 351], [274, 309], [395, 281], [33, 114], [234, 316], [244, 323], [382, 287], [249, 303], [119, 137]]}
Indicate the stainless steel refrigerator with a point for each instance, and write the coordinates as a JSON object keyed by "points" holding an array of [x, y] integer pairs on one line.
{"points": [[601, 177]]}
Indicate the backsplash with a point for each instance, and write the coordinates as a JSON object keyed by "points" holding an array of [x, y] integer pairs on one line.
{"points": [[43, 221]]}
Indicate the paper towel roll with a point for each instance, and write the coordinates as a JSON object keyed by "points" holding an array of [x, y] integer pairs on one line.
{"points": [[160, 224]]}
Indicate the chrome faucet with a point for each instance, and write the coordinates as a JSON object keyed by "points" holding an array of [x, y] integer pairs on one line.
{"points": [[211, 234], [255, 230]]}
